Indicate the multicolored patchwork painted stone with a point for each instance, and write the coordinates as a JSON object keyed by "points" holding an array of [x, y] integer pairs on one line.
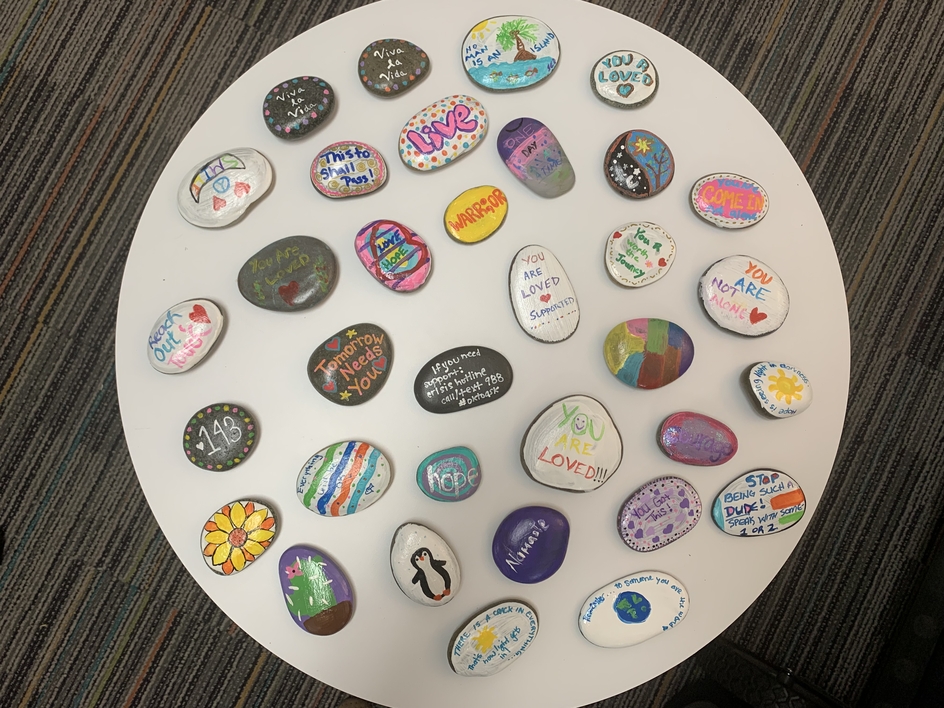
{"points": [[424, 566], [236, 534], [317, 593], [394, 254], [450, 475], [343, 478], [442, 132], [220, 436], [293, 273], [759, 503], [648, 353], [696, 439], [476, 214], [530, 544], [183, 335], [391, 67], [624, 78], [781, 390], [729, 201], [658, 513], [542, 297], [348, 169], [219, 190], [493, 639], [638, 254], [351, 366], [639, 164], [461, 378], [533, 154], [510, 52], [744, 295], [296, 107]]}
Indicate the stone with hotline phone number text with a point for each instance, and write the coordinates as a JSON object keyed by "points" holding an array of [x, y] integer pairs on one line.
{"points": [[220, 436], [461, 378], [183, 335]]}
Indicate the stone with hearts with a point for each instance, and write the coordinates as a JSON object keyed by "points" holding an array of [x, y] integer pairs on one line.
{"points": [[781, 390], [476, 214], [543, 300], [442, 132], [449, 475], [220, 436], [462, 378], [236, 535], [530, 544], [219, 190], [638, 164], [658, 513], [744, 295], [296, 107], [729, 201], [624, 79], [183, 335], [759, 503], [535, 157], [293, 273], [394, 254], [510, 52], [351, 366], [348, 169], [573, 444], [639, 253], [391, 67], [316, 591], [648, 353], [424, 566], [493, 639], [343, 478], [696, 439]]}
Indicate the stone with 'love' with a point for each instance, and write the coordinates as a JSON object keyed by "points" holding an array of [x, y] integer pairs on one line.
{"points": [[394, 254], [442, 132], [351, 366], [293, 273], [183, 335]]}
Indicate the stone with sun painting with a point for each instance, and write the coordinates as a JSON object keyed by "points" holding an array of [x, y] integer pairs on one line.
{"points": [[781, 390], [493, 639]]}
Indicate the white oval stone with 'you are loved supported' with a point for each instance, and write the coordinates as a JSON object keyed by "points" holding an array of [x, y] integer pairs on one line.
{"points": [[183, 335], [424, 566], [542, 297]]}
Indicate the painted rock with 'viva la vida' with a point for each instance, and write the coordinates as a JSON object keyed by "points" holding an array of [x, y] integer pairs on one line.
{"points": [[658, 513], [533, 154], [543, 300], [696, 439], [236, 535], [317, 593], [424, 566], [530, 544], [343, 478], [510, 52], [348, 169], [781, 390], [394, 254], [638, 164], [183, 335], [296, 107], [461, 378], [293, 273], [493, 639], [391, 67], [744, 295], [624, 79], [759, 503], [573, 444], [639, 253], [442, 132], [476, 214], [729, 201], [648, 353], [220, 436], [350, 367], [219, 190], [449, 475]]}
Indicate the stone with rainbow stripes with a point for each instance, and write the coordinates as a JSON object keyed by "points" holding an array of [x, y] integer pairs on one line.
{"points": [[759, 503], [343, 478], [648, 353]]}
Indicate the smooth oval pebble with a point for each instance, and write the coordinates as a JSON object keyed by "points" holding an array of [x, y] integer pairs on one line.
{"points": [[696, 439], [183, 335], [317, 593], [530, 544], [236, 534], [572, 444], [351, 366], [343, 478], [510, 52], [296, 107], [744, 295], [729, 201], [624, 78], [461, 378], [493, 639], [394, 254], [476, 214], [648, 353], [781, 390], [348, 169], [391, 67], [424, 566], [293, 273], [449, 475], [658, 513], [542, 297], [442, 132], [633, 609], [639, 164], [220, 436], [759, 503], [533, 154], [639, 253], [219, 190]]}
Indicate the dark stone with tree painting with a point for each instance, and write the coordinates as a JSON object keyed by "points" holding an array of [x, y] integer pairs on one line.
{"points": [[530, 544], [294, 273], [638, 164], [462, 378], [351, 367], [390, 67], [295, 107]]}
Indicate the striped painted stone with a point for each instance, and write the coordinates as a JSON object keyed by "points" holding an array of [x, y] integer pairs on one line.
{"points": [[343, 478], [648, 353]]}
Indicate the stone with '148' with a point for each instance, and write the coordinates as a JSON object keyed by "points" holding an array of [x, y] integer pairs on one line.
{"points": [[347, 169], [493, 639], [658, 513], [729, 201], [759, 503], [534, 155], [183, 335], [744, 295], [293, 273], [542, 297], [648, 353], [220, 436], [530, 544], [394, 254], [343, 478], [424, 566], [476, 214], [781, 390], [317, 592], [219, 190], [442, 132], [696, 439], [449, 475], [350, 367]]}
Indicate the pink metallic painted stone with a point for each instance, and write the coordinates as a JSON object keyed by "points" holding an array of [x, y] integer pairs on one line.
{"points": [[394, 254], [695, 439]]}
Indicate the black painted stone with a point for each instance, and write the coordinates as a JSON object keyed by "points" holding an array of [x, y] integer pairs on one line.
{"points": [[462, 378], [295, 107], [294, 273], [220, 436], [638, 164], [390, 67], [351, 367]]}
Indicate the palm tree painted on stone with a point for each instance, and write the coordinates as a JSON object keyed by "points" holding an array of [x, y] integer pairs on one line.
{"points": [[513, 33]]}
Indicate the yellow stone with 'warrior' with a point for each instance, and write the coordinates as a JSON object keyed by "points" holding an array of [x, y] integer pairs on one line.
{"points": [[476, 214]]}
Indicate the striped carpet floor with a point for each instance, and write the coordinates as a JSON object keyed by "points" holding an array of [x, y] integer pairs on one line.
{"points": [[95, 610]]}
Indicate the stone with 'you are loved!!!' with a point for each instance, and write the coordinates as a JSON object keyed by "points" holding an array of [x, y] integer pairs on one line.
{"points": [[461, 378], [450, 475], [639, 253], [424, 566], [442, 132], [510, 52], [220, 436], [317, 593], [744, 295], [759, 503], [638, 164], [493, 639], [183, 335], [624, 79], [696, 439], [348, 169], [293, 273], [476, 214], [534, 155], [236, 535], [658, 513], [296, 107], [391, 67], [781, 390], [729, 201], [343, 478], [220, 189], [542, 297], [648, 353], [351, 366], [394, 254], [530, 544]]}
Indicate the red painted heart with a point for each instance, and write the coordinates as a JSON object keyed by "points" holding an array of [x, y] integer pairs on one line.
{"points": [[241, 189], [329, 387], [334, 345], [617, 234], [380, 363], [199, 314], [218, 203], [663, 263], [288, 292], [545, 297], [757, 316]]}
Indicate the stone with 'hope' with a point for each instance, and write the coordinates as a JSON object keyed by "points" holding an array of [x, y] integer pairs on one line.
{"points": [[390, 67], [729, 201], [450, 475], [424, 566], [317, 593], [542, 297], [347, 169], [343, 478], [744, 295], [534, 155], [624, 79], [781, 390], [658, 513], [759, 503], [296, 107], [696, 439], [530, 544], [183, 335], [350, 367], [220, 436], [442, 132], [219, 190], [461, 378], [293, 273], [394, 254], [648, 353], [476, 214], [493, 639]]}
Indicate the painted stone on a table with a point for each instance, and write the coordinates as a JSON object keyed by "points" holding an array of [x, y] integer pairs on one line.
{"points": [[442, 132], [744, 295], [450, 475], [624, 79], [476, 214], [343, 478], [220, 436], [296, 107], [394, 254], [351, 366], [316, 591], [424, 566], [759, 503], [696, 439], [533, 154], [293, 273], [729, 201], [639, 164], [648, 353], [348, 169], [219, 190], [658, 513], [183, 335], [572, 444], [462, 378], [391, 67], [639, 253], [530, 544], [781, 390], [633, 609], [510, 52], [236, 535], [493, 639], [542, 297]]}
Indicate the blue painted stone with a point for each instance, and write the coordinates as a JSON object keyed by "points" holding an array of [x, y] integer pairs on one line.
{"points": [[449, 475], [530, 544]]}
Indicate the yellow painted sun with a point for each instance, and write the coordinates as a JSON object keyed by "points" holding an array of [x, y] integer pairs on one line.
{"points": [[485, 639], [642, 145], [785, 387]]}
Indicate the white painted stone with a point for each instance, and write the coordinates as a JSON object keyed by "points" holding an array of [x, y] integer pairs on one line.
{"points": [[183, 335], [542, 297], [424, 566], [624, 79], [343, 478], [639, 253], [493, 639], [219, 190], [744, 295], [443, 132], [782, 390], [759, 503]]}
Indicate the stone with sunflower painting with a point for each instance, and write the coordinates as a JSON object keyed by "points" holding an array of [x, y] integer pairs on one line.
{"points": [[317, 593], [235, 535], [781, 390]]}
